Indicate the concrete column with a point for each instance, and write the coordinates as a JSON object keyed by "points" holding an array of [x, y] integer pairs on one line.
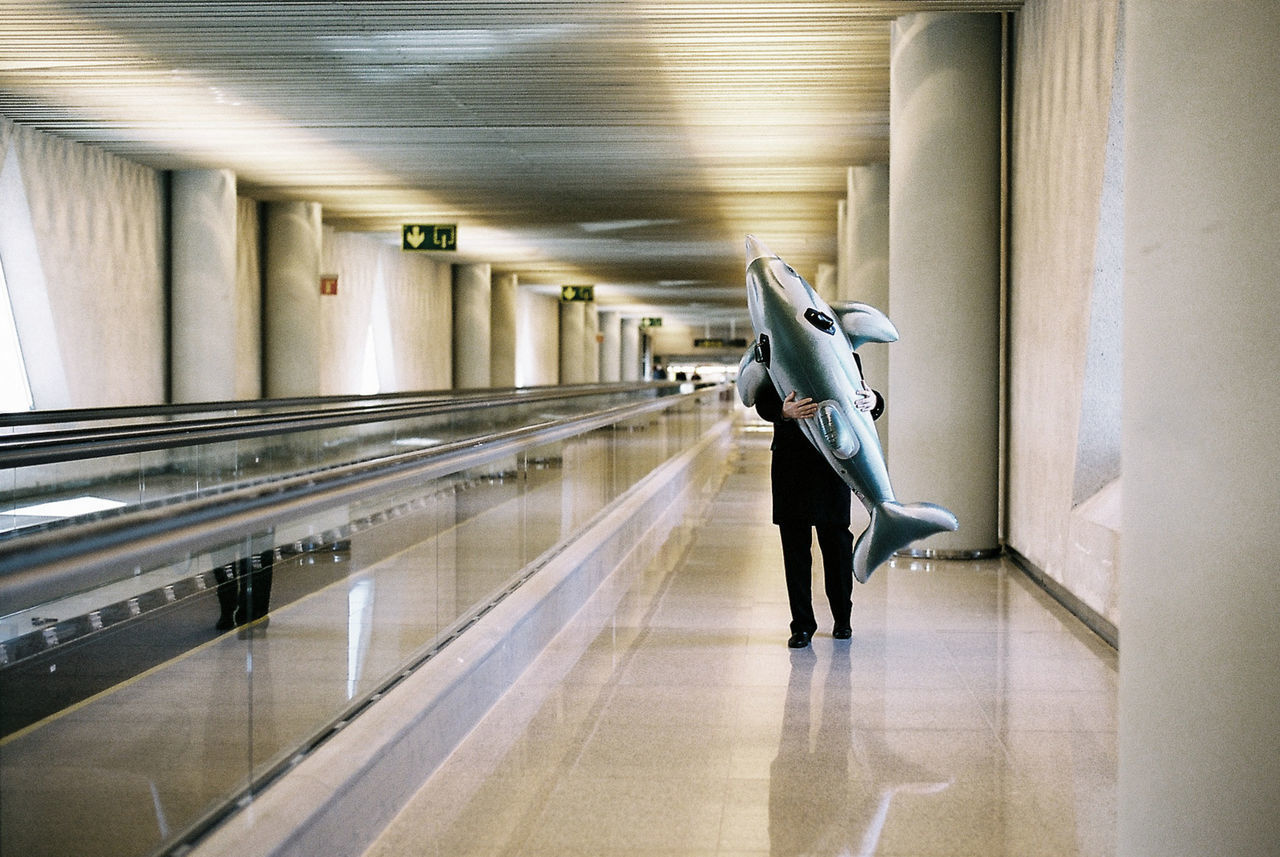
{"points": [[537, 339], [502, 331], [203, 336], [611, 347], [842, 251], [944, 270], [631, 349], [1199, 739], [869, 234], [572, 341], [591, 344], [826, 282], [869, 266], [292, 308], [471, 326]]}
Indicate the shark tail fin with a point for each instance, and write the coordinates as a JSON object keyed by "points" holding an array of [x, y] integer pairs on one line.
{"points": [[893, 527]]}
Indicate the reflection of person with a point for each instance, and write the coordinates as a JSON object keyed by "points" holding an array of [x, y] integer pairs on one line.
{"points": [[244, 589], [809, 495], [819, 802], [813, 799]]}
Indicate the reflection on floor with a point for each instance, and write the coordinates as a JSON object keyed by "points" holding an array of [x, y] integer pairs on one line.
{"points": [[969, 715]]}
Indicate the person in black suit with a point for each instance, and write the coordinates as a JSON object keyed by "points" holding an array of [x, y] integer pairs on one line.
{"points": [[809, 495]]}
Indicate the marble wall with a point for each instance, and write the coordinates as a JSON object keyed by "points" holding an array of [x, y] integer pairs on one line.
{"points": [[390, 326], [83, 245], [1062, 508]]}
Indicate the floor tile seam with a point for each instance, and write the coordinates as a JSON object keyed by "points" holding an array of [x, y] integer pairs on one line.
{"points": [[973, 696], [1065, 725]]}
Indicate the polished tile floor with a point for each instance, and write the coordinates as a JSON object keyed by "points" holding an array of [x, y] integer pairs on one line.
{"points": [[969, 715]]}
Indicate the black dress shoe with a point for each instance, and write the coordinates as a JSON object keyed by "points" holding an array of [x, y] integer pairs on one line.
{"points": [[799, 640], [842, 633]]}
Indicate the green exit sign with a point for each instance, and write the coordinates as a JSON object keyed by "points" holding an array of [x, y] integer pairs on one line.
{"points": [[577, 293], [651, 322], [429, 236]]}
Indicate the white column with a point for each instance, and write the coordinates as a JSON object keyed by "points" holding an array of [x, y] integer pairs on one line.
{"points": [[537, 339], [572, 359], [590, 344], [204, 343], [826, 282], [868, 187], [843, 261], [869, 234], [293, 351], [631, 356], [502, 331], [471, 326], [611, 347], [1199, 740], [944, 270]]}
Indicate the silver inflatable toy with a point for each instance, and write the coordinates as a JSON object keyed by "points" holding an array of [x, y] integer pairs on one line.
{"points": [[806, 346]]}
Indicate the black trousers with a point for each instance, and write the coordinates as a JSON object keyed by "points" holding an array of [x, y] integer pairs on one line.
{"points": [[836, 544]]}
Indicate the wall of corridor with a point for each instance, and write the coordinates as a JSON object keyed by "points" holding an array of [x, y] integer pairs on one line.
{"points": [[84, 244], [85, 236], [83, 240], [390, 325], [1066, 228]]}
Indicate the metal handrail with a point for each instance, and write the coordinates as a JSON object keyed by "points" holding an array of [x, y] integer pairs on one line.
{"points": [[125, 412], [55, 563], [35, 448]]}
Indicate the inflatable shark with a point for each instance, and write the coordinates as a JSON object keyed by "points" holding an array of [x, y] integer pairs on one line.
{"points": [[804, 345]]}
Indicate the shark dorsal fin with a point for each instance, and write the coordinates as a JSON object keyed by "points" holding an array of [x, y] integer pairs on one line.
{"points": [[863, 323]]}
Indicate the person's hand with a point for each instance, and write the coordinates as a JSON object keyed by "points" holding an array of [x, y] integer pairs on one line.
{"points": [[798, 409], [864, 400]]}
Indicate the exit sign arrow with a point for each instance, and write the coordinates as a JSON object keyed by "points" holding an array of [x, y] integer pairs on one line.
{"points": [[429, 236]]}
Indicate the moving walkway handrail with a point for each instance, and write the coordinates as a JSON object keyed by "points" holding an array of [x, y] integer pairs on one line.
{"points": [[54, 416], [125, 412], [35, 448], [52, 564]]}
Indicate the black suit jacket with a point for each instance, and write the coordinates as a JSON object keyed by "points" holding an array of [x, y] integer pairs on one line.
{"points": [[806, 488]]}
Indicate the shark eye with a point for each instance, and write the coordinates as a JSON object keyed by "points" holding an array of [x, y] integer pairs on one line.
{"points": [[820, 320]]}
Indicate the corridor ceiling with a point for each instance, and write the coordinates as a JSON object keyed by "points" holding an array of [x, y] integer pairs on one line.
{"points": [[630, 145]]}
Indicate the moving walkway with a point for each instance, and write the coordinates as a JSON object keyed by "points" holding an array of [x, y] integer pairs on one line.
{"points": [[194, 598]]}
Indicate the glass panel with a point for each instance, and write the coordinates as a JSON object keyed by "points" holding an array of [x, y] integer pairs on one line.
{"points": [[143, 706]]}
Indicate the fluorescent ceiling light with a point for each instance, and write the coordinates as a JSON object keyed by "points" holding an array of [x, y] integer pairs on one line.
{"points": [[619, 225]]}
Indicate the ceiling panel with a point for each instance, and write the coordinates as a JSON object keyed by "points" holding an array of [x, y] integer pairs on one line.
{"points": [[627, 144]]}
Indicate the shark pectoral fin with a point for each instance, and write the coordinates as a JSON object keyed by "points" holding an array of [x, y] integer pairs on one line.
{"points": [[863, 323], [751, 376], [837, 431]]}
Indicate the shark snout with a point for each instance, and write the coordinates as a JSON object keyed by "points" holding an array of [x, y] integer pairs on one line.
{"points": [[756, 250]]}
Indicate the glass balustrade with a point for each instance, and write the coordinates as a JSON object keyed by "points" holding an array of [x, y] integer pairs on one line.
{"points": [[138, 710], [247, 445]]}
